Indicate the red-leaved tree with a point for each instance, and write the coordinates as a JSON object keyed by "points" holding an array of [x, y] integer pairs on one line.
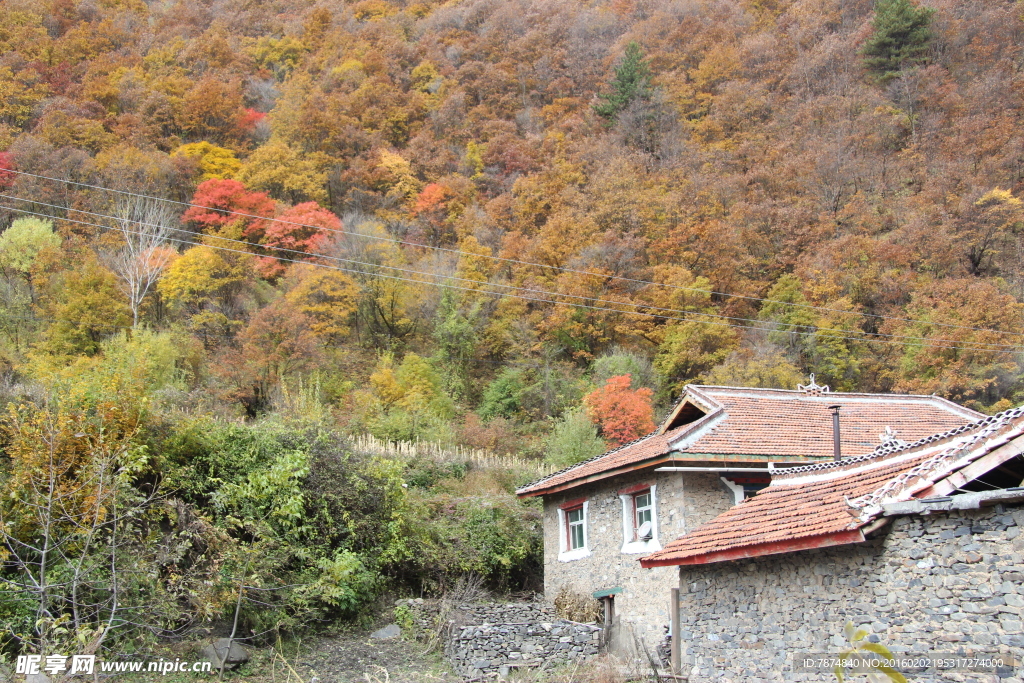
{"points": [[219, 202], [299, 231], [7, 177], [623, 414]]}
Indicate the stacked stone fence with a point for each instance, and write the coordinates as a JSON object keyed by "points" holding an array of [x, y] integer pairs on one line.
{"points": [[488, 640]]}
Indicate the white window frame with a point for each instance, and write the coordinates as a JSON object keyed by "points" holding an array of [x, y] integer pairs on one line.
{"points": [[564, 553], [630, 544]]}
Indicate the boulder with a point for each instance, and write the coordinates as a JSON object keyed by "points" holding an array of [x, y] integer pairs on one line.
{"points": [[224, 650], [389, 631]]}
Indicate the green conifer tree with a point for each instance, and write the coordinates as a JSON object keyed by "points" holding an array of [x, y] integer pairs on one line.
{"points": [[632, 81], [902, 32]]}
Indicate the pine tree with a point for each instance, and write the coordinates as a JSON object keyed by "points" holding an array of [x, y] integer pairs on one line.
{"points": [[902, 32], [632, 81]]}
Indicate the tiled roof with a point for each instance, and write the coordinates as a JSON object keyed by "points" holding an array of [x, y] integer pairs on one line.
{"points": [[645, 448], [792, 424], [829, 498], [747, 425]]}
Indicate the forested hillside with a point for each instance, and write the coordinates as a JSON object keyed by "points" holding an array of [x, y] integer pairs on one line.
{"points": [[236, 232]]}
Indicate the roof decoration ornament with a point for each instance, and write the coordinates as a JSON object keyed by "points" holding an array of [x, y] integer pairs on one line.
{"points": [[813, 389], [888, 438]]}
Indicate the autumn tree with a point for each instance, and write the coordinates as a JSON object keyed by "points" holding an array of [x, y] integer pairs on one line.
{"points": [[214, 163], [297, 233], [208, 286], [329, 298], [623, 414], [573, 439], [86, 305], [226, 205], [406, 401], [21, 244], [455, 337], [285, 173], [277, 343]]}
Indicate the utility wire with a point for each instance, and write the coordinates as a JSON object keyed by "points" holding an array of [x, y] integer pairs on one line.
{"points": [[823, 334], [503, 259], [449, 277], [757, 324]]}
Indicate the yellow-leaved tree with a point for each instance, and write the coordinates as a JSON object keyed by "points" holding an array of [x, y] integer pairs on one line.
{"points": [[213, 162]]}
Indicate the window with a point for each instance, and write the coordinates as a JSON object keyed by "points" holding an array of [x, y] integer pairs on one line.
{"points": [[639, 506], [574, 523], [642, 506]]}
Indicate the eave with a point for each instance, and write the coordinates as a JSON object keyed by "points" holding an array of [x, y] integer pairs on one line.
{"points": [[667, 459], [597, 476], [761, 549]]}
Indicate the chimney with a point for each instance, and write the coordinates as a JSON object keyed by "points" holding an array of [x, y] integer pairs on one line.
{"points": [[836, 451]]}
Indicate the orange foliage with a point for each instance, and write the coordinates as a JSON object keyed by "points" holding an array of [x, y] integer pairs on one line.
{"points": [[299, 231], [623, 414]]}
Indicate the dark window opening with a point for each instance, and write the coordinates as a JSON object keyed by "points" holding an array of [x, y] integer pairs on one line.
{"points": [[751, 484], [687, 413], [1005, 476]]}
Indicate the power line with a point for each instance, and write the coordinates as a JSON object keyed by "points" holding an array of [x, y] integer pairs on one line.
{"points": [[512, 261], [449, 277], [758, 324], [823, 334]]}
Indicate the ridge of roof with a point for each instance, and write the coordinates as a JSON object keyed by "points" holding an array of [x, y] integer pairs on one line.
{"points": [[862, 396]]}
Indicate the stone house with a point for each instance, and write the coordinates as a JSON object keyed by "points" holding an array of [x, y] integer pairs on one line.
{"points": [[918, 542], [714, 449]]}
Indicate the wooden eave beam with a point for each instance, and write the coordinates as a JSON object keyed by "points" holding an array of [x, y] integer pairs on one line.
{"points": [[979, 467], [760, 549], [597, 476], [732, 458]]}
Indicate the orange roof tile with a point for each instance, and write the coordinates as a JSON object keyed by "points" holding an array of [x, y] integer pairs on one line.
{"points": [[792, 424], [744, 425], [830, 498]]}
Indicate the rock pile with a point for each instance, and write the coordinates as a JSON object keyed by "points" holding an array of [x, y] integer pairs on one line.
{"points": [[485, 639]]}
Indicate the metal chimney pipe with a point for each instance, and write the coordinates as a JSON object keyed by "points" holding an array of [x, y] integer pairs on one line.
{"points": [[836, 450]]}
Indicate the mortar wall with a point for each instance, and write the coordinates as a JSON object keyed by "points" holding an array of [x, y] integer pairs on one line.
{"points": [[949, 583]]}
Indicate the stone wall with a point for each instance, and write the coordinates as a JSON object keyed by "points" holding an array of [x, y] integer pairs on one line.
{"points": [[683, 502], [484, 639], [949, 583]]}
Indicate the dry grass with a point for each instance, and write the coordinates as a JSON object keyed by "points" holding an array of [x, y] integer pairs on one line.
{"points": [[407, 450], [575, 605], [605, 669]]}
